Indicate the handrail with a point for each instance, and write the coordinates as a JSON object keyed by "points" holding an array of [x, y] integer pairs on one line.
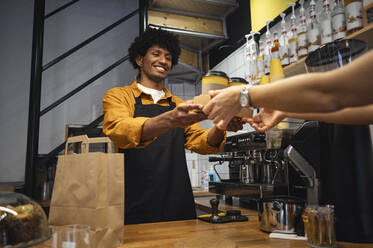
{"points": [[87, 41], [59, 9], [61, 147], [95, 122], [82, 86]]}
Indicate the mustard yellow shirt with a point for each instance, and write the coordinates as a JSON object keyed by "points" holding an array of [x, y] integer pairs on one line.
{"points": [[125, 130]]}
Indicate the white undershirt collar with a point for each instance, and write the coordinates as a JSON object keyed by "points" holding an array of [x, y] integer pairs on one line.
{"points": [[156, 94]]}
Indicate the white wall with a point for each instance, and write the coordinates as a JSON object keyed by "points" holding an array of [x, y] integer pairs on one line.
{"points": [[62, 32], [15, 62]]}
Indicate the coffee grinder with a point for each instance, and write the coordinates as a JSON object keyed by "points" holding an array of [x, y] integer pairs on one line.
{"points": [[337, 160]]}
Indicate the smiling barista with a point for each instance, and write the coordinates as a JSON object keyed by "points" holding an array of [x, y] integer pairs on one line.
{"points": [[152, 128]]}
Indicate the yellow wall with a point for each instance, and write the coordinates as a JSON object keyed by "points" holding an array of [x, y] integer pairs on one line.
{"points": [[263, 10]]}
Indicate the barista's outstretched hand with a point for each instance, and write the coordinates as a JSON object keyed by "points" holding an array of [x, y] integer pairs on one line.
{"points": [[235, 124], [186, 114], [265, 119], [223, 106]]}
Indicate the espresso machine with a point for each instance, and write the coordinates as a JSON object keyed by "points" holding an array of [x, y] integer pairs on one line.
{"points": [[260, 176], [257, 167]]}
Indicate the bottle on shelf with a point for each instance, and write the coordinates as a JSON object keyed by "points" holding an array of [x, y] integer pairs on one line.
{"points": [[313, 29], [260, 59], [275, 67], [368, 11], [275, 50], [293, 37], [283, 42], [354, 15], [247, 57], [302, 32], [326, 23], [267, 48], [252, 59], [338, 20]]}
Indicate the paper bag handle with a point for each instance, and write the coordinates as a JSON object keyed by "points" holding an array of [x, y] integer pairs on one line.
{"points": [[101, 140], [86, 141], [76, 139]]}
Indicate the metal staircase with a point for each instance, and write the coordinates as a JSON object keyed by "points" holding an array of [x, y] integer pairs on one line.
{"points": [[200, 25]]}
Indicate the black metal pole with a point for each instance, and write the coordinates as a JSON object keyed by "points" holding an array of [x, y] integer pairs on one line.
{"points": [[143, 15], [60, 9], [35, 95]]}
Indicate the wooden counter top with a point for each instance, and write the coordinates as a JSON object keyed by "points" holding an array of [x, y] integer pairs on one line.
{"points": [[243, 234], [172, 234]]}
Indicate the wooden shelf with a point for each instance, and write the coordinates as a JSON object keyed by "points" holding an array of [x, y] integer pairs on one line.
{"points": [[365, 34]]}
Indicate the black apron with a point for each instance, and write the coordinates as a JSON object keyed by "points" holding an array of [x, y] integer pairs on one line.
{"points": [[157, 184]]}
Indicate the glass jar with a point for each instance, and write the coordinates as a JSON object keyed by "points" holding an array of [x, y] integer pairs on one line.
{"points": [[319, 226], [23, 222]]}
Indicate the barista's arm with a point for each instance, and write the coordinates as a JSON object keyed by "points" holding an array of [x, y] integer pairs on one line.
{"points": [[181, 116], [129, 132], [209, 141]]}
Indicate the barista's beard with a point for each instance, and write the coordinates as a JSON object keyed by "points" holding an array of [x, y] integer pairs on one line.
{"points": [[158, 80]]}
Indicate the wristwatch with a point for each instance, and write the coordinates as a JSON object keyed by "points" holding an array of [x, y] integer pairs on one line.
{"points": [[245, 98]]}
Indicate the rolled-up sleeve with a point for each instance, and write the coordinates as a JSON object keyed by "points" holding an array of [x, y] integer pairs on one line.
{"points": [[196, 140], [119, 124]]}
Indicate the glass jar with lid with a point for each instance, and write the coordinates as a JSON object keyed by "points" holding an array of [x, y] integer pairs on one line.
{"points": [[23, 222]]}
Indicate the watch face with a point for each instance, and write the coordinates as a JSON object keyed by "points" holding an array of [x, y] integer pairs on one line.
{"points": [[243, 101]]}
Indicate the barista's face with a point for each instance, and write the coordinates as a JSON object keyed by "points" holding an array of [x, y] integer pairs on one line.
{"points": [[155, 64]]}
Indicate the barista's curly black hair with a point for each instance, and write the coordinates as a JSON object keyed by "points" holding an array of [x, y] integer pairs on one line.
{"points": [[151, 37]]}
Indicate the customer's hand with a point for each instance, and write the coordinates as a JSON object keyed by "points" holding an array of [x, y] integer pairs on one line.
{"points": [[265, 119], [186, 114], [223, 106]]}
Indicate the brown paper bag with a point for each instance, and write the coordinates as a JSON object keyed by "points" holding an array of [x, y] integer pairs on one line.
{"points": [[89, 189]]}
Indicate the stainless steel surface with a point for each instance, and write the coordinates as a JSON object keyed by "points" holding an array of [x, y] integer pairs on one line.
{"points": [[243, 173], [212, 8], [253, 172], [186, 13], [280, 215], [302, 166], [250, 175], [268, 172], [230, 189], [195, 40]]}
